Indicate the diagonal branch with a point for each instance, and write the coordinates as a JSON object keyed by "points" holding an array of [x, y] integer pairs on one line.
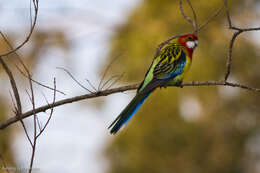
{"points": [[237, 32], [36, 7], [52, 110], [107, 92], [211, 18], [19, 58], [227, 14], [194, 22], [74, 79], [13, 85]]}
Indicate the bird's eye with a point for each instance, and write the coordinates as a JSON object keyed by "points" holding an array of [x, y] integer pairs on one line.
{"points": [[190, 38]]}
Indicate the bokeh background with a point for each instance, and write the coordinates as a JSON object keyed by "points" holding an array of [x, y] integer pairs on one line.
{"points": [[193, 129]]}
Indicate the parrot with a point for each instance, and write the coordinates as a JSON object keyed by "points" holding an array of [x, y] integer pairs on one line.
{"points": [[169, 67]]}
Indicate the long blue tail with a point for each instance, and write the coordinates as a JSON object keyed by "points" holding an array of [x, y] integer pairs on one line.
{"points": [[128, 112]]}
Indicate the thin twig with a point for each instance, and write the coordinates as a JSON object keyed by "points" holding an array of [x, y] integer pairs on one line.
{"points": [[73, 78], [38, 123], [183, 13], [195, 22], [45, 86], [237, 32], [109, 80], [106, 71], [19, 58], [13, 85], [51, 113], [92, 86], [115, 81], [186, 17], [26, 133], [227, 14], [211, 18], [34, 123], [13, 102], [229, 56], [18, 106], [35, 2]]}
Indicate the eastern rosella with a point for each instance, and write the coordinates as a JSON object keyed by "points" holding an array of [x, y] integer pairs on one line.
{"points": [[168, 67]]}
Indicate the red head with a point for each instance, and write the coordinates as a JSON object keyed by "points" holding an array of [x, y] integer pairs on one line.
{"points": [[189, 41]]}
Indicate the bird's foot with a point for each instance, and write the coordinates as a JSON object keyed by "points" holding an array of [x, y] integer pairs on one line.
{"points": [[179, 84], [163, 86]]}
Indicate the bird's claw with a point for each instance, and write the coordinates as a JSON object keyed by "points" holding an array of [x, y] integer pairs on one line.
{"points": [[163, 86], [179, 84]]}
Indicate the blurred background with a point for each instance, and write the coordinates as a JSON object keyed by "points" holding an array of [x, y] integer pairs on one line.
{"points": [[193, 129]]}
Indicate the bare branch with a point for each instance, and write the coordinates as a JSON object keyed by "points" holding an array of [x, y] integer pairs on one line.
{"points": [[13, 102], [11, 47], [229, 56], [115, 81], [34, 122], [227, 14], [105, 72], [13, 85], [211, 18], [35, 2], [92, 86], [232, 41], [18, 106], [194, 23], [183, 13], [26, 132], [73, 78], [45, 86], [109, 80], [107, 92], [51, 113]]}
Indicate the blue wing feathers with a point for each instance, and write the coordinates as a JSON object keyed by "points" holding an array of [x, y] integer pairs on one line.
{"points": [[137, 107], [128, 112]]}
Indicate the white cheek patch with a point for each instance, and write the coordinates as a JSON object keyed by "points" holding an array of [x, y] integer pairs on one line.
{"points": [[191, 44]]}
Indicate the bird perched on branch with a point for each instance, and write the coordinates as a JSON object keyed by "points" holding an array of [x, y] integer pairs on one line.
{"points": [[168, 68]]}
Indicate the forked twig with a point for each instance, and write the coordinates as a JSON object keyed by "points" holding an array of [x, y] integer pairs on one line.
{"points": [[194, 22], [115, 81], [73, 78], [237, 32], [45, 86], [36, 8], [109, 80], [13, 85], [34, 122], [227, 14], [106, 71], [19, 58], [92, 86], [51, 113], [211, 18]]}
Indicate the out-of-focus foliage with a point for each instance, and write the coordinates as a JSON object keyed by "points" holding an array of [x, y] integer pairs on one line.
{"points": [[39, 43], [193, 129]]}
